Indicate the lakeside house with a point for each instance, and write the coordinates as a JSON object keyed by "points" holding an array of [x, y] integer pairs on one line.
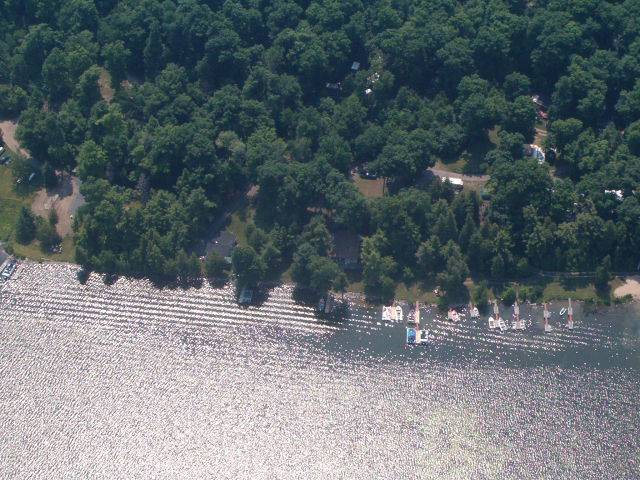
{"points": [[346, 249], [619, 194], [223, 245]]}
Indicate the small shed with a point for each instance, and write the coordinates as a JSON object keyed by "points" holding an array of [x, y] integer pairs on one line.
{"points": [[223, 245], [346, 249]]}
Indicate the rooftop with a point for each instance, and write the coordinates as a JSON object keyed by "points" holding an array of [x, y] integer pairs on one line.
{"points": [[346, 247]]}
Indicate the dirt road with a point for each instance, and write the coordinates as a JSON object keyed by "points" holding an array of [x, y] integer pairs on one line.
{"points": [[8, 128], [65, 199]]}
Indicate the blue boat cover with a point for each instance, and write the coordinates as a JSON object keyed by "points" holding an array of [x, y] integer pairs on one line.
{"points": [[411, 335]]}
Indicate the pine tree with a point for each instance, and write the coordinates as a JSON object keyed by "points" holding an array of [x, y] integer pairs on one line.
{"points": [[153, 50], [468, 229], [25, 226]]}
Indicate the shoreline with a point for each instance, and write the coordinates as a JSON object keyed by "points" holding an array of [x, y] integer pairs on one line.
{"points": [[356, 297]]}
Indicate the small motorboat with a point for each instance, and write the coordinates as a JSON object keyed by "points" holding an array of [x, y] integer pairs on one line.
{"points": [[474, 312], [423, 337], [502, 325], [563, 311], [492, 323], [399, 313], [321, 305], [411, 336], [386, 316]]}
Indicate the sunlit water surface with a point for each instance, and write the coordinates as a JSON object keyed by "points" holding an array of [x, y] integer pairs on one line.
{"points": [[130, 381]]}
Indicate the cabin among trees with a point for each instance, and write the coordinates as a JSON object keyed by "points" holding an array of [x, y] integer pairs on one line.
{"points": [[346, 249]]}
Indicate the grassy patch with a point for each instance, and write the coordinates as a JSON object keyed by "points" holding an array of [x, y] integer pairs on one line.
{"points": [[415, 292], [493, 135], [471, 159], [558, 291], [457, 166], [34, 252], [239, 221], [10, 205], [369, 188]]}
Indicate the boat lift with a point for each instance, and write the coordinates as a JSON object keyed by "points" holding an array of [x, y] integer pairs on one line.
{"points": [[518, 323], [547, 327], [493, 322], [570, 316]]}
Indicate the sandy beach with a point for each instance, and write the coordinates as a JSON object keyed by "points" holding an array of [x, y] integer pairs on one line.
{"points": [[631, 287]]}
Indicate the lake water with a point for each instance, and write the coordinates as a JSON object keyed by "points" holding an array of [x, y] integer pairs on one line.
{"points": [[129, 381]]}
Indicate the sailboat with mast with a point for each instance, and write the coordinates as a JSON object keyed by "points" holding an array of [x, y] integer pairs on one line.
{"points": [[518, 323], [570, 316], [547, 327]]}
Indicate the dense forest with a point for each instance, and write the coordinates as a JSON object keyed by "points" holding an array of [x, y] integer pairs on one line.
{"points": [[213, 97]]}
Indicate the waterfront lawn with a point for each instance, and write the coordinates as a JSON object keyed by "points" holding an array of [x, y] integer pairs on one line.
{"points": [[558, 290], [10, 205], [415, 292], [240, 219], [34, 252]]}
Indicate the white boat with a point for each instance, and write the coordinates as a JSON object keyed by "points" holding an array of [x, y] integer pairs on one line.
{"points": [[475, 313], [502, 325], [422, 337], [563, 311], [453, 316], [386, 317], [399, 313], [547, 327], [570, 316], [494, 322]]}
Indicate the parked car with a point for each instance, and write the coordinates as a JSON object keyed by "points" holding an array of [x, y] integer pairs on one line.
{"points": [[366, 173]]}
